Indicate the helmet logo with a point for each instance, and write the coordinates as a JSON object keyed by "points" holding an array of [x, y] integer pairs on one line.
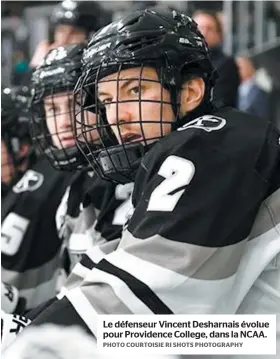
{"points": [[29, 182], [57, 71], [207, 123], [57, 54], [183, 40], [93, 51]]}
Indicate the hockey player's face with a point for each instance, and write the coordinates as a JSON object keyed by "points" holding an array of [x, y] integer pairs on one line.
{"points": [[7, 169], [68, 34], [209, 28], [59, 118], [138, 108]]}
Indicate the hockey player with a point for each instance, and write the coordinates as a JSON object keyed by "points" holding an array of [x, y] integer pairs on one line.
{"points": [[29, 243], [16, 149]]}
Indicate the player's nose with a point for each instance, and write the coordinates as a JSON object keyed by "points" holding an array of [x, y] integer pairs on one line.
{"points": [[119, 113], [65, 121]]}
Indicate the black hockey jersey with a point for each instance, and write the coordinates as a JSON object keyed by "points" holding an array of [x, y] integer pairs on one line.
{"points": [[29, 242], [204, 232], [91, 212]]}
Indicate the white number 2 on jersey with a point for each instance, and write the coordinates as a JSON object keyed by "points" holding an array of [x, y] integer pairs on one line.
{"points": [[123, 193], [13, 230], [178, 172]]}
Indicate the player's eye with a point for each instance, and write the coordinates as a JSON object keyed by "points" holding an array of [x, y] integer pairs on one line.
{"points": [[135, 90], [51, 110], [106, 101]]}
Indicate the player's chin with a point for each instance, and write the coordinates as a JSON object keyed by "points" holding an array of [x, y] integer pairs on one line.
{"points": [[65, 143], [68, 143]]}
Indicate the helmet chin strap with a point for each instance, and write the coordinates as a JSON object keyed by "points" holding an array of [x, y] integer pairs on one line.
{"points": [[171, 80]]}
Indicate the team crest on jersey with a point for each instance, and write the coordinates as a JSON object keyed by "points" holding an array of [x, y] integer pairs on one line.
{"points": [[207, 123], [29, 182]]}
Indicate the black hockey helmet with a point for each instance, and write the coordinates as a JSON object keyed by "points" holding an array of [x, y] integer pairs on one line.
{"points": [[86, 15], [15, 121], [53, 79], [15, 103], [15, 118], [168, 41]]}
